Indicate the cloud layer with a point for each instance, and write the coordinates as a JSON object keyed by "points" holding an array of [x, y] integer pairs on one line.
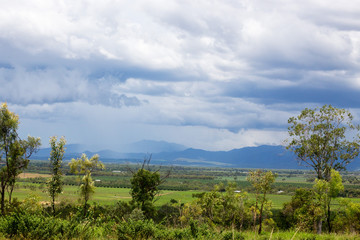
{"points": [[207, 74]]}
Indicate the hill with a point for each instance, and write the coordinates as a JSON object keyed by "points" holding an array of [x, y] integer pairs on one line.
{"points": [[272, 157]]}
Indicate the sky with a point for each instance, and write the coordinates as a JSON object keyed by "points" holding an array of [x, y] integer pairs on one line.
{"points": [[209, 74]]}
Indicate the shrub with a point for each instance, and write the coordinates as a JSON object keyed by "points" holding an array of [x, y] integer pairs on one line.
{"points": [[136, 229], [21, 224], [230, 235]]}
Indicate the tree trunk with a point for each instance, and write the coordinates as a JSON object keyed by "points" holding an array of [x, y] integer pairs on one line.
{"points": [[85, 209], [319, 226], [255, 219], [10, 192], [2, 200], [53, 204], [328, 217], [260, 217]]}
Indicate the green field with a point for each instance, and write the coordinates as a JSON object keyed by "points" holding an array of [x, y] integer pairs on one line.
{"points": [[103, 195], [113, 184], [110, 196]]}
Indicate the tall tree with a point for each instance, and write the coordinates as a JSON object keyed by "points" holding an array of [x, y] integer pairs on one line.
{"points": [[14, 152], [262, 182], [55, 183], [320, 139], [324, 139], [86, 166]]}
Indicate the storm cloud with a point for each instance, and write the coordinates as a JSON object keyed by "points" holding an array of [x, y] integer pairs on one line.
{"points": [[208, 74]]}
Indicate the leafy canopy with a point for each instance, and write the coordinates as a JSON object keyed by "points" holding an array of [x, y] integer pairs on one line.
{"points": [[320, 139], [86, 166], [14, 152]]}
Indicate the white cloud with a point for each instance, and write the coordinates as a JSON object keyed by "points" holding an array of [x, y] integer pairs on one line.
{"points": [[177, 70]]}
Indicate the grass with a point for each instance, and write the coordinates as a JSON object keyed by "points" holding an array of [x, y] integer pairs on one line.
{"points": [[277, 200], [287, 235], [103, 195], [110, 196]]}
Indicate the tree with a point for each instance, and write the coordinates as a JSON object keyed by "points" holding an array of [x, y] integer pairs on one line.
{"points": [[262, 182], [326, 191], [86, 166], [55, 184], [303, 211], [14, 152], [144, 187], [309, 207], [228, 208], [319, 139]]}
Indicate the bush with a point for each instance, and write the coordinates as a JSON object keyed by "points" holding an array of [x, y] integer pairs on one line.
{"points": [[136, 229], [230, 235], [21, 224], [147, 229]]}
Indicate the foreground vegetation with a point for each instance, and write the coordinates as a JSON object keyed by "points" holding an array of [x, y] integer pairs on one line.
{"points": [[220, 208]]}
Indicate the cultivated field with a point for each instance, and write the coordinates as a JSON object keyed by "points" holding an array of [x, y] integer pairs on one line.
{"points": [[113, 184]]}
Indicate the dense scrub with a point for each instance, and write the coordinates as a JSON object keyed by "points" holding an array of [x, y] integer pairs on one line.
{"points": [[106, 223]]}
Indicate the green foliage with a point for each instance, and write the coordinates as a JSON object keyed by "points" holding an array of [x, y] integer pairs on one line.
{"points": [[232, 235], [336, 185], [86, 166], [137, 229], [147, 229], [319, 139], [262, 181], [309, 207], [223, 213], [31, 204], [298, 212], [169, 214], [121, 211], [325, 191], [144, 187], [55, 183], [25, 225], [14, 152], [347, 218], [217, 208]]}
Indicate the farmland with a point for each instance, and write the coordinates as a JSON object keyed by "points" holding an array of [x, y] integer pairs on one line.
{"points": [[113, 184]]}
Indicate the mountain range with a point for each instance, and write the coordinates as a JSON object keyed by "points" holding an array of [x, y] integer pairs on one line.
{"points": [[164, 153]]}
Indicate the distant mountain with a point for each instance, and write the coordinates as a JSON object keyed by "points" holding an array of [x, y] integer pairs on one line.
{"points": [[271, 157], [150, 146], [276, 157], [72, 151]]}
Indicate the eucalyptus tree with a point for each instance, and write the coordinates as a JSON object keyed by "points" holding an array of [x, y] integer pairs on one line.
{"points": [[55, 183], [262, 181], [324, 139], [14, 152], [86, 166]]}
